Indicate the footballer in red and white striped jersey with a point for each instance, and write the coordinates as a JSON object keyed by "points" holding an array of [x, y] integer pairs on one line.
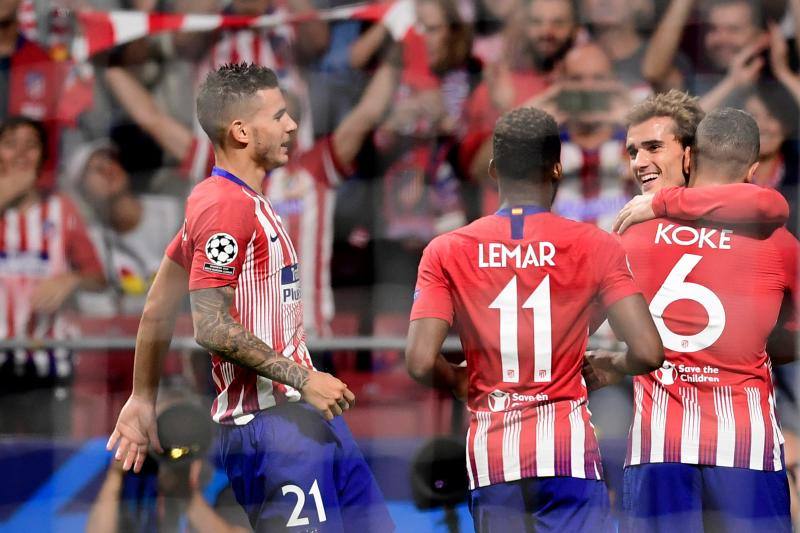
{"points": [[232, 236], [47, 239], [715, 294], [519, 286], [303, 195]]}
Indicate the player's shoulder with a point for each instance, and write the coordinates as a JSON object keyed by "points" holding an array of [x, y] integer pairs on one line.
{"points": [[217, 191], [570, 231]]}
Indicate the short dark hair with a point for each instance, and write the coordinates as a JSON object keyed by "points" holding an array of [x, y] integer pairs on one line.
{"points": [[17, 121], [225, 90], [728, 139], [757, 14], [526, 144], [684, 110]]}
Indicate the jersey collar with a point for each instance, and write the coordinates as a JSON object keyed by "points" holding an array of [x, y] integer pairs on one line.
{"points": [[222, 173], [521, 210]]}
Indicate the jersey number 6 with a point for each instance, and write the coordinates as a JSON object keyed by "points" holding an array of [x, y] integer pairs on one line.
{"points": [[675, 288]]}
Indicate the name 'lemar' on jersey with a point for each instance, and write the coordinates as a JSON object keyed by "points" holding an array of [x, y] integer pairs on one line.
{"points": [[498, 255], [688, 236]]}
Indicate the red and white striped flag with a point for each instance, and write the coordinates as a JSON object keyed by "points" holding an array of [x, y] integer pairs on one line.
{"points": [[103, 30]]}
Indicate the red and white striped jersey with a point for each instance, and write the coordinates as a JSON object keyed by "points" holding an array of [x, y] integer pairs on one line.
{"points": [[44, 240], [233, 236], [519, 285], [715, 294], [304, 197]]}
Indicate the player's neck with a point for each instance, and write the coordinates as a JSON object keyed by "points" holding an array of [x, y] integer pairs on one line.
{"points": [[524, 195], [243, 168]]}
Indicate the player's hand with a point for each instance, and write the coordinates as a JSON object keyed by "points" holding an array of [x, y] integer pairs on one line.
{"points": [[638, 209], [598, 371], [135, 430], [51, 293], [327, 394]]}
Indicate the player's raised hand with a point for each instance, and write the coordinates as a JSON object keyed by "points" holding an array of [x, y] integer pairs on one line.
{"points": [[135, 430], [597, 372], [638, 209], [327, 394]]}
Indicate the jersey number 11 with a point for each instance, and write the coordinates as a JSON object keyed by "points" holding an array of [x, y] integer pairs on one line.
{"points": [[539, 303]]}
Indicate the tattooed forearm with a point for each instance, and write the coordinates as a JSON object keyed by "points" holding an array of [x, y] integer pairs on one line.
{"points": [[216, 330]]}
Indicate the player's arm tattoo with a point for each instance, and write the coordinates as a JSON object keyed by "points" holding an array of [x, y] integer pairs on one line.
{"points": [[216, 330]]}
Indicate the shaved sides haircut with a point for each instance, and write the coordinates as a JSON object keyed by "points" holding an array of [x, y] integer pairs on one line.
{"points": [[526, 144], [728, 140]]}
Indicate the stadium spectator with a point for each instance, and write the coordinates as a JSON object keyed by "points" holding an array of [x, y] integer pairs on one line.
{"points": [[550, 28], [417, 145], [303, 193], [30, 83], [590, 104], [131, 230], [617, 27], [46, 255], [733, 42], [497, 29]]}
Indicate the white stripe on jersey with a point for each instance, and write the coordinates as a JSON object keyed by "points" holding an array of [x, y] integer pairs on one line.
{"points": [[577, 439], [545, 440], [658, 423], [481, 447], [690, 426], [469, 463], [512, 428], [777, 436], [758, 437], [726, 426], [33, 228], [325, 295], [222, 396], [12, 239], [56, 238], [4, 301], [636, 426]]}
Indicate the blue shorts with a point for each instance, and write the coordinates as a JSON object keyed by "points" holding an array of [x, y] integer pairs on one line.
{"points": [[674, 497], [541, 504], [292, 470]]}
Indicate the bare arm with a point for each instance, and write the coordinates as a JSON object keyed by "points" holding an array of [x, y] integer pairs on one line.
{"points": [[660, 55], [424, 360], [171, 135], [365, 48], [136, 425], [216, 330], [204, 519], [354, 128], [631, 321], [104, 514]]}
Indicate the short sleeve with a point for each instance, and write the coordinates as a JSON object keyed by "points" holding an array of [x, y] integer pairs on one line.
{"points": [[217, 237], [175, 250], [432, 296], [615, 280]]}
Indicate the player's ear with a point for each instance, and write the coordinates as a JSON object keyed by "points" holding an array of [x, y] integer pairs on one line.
{"points": [[751, 172], [493, 170], [239, 132], [558, 172], [687, 160]]}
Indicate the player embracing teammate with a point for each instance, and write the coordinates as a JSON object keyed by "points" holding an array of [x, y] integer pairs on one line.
{"points": [[705, 447]]}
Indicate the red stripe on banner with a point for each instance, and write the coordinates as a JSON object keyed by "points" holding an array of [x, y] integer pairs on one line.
{"points": [[98, 30], [157, 22], [236, 21]]}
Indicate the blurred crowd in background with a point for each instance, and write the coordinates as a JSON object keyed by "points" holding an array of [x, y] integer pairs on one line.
{"points": [[395, 113]]}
